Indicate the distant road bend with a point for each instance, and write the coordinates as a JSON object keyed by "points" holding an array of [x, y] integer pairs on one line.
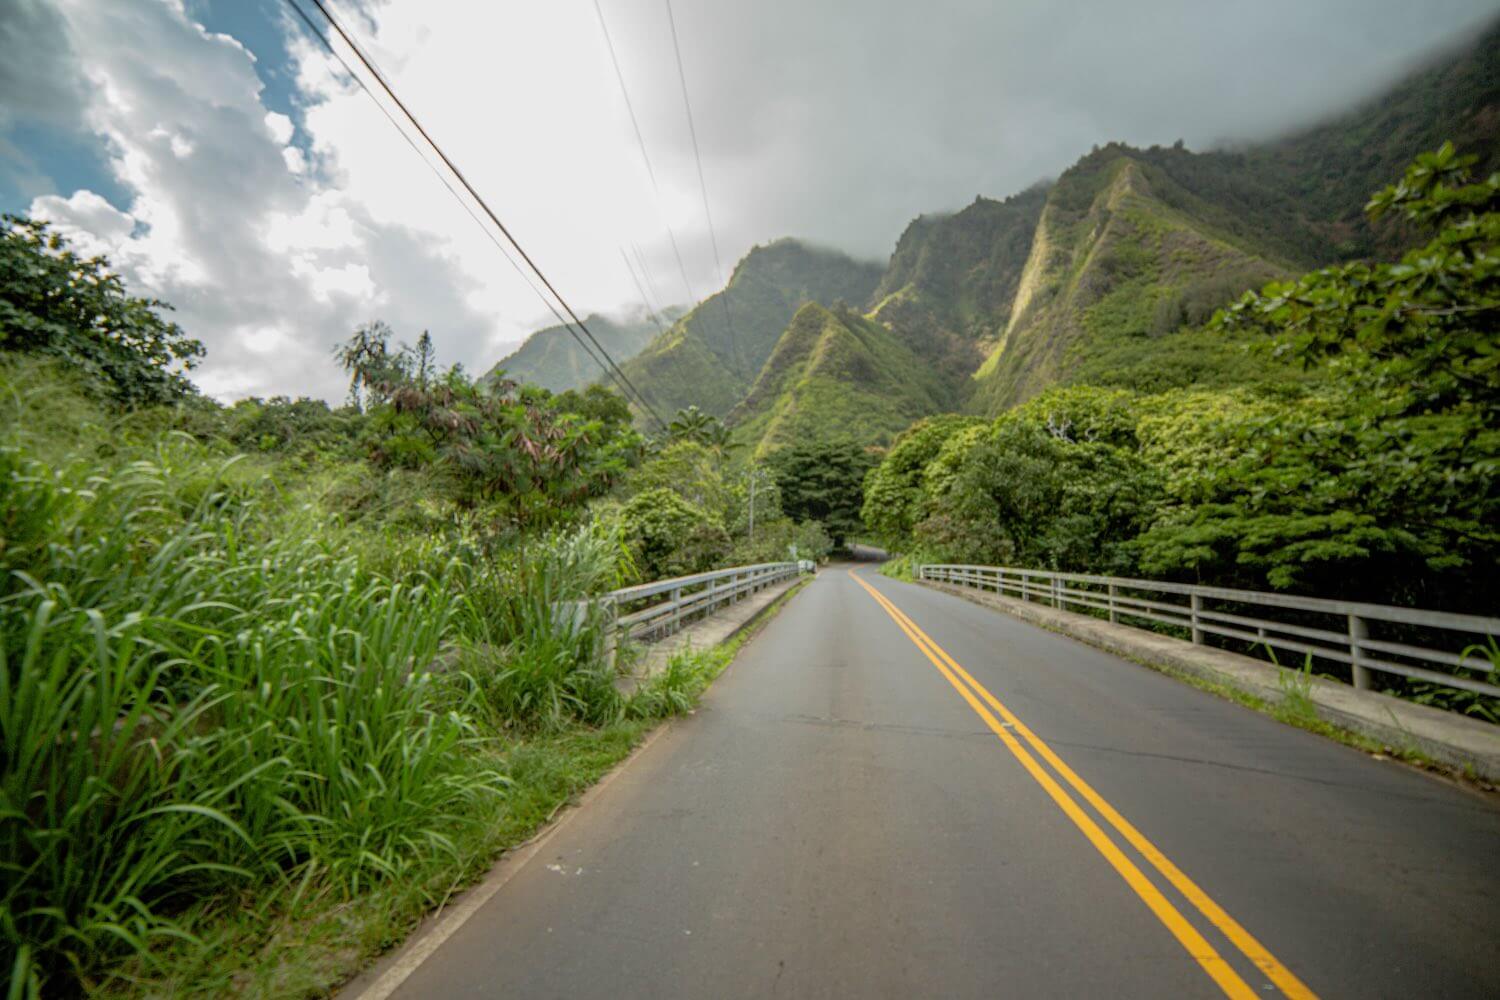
{"points": [[896, 793]]}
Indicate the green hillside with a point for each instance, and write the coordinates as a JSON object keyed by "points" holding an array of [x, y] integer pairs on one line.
{"points": [[1329, 170], [1121, 251], [836, 374], [1135, 248], [552, 358], [950, 283], [711, 357]]}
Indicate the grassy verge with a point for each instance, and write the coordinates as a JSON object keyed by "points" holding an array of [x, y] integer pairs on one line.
{"points": [[900, 568], [298, 941]]}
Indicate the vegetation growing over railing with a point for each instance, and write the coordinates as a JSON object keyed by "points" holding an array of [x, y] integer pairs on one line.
{"points": [[1370, 471]]}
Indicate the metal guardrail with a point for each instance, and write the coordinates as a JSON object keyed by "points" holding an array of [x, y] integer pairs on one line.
{"points": [[690, 596], [1417, 645]]}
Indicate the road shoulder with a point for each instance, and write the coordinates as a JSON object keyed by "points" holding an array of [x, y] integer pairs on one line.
{"points": [[385, 975], [1379, 724]]}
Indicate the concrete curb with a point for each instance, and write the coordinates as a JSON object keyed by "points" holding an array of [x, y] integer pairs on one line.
{"points": [[1448, 738]]}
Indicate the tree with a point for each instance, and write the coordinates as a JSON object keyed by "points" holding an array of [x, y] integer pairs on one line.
{"points": [[893, 492], [596, 402], [375, 370], [506, 449], [1026, 495], [424, 360], [690, 424], [54, 302], [1389, 487], [823, 481], [669, 536]]}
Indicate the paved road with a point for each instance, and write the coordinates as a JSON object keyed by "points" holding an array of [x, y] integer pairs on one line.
{"points": [[840, 819]]}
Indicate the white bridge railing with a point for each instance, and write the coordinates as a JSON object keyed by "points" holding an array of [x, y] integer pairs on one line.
{"points": [[1368, 638], [660, 608]]}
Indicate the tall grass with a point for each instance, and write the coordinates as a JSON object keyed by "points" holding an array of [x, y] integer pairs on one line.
{"points": [[532, 606], [207, 684]]}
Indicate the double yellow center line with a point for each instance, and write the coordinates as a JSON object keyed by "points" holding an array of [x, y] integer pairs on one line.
{"points": [[986, 706]]}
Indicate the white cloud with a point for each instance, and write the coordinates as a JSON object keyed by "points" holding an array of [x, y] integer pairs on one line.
{"points": [[280, 126], [835, 121], [268, 270], [93, 225]]}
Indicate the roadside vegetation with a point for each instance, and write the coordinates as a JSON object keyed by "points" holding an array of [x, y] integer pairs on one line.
{"points": [[1358, 457], [276, 668]]}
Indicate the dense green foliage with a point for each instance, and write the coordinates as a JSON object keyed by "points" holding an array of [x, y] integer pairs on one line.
{"points": [[894, 489], [671, 536], [820, 481], [1396, 471], [206, 688], [54, 302]]}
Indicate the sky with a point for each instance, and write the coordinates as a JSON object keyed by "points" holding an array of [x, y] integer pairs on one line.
{"points": [[222, 159]]}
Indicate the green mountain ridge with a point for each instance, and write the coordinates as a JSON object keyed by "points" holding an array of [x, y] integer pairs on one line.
{"points": [[1105, 275], [952, 278], [1120, 250], [711, 357], [553, 359], [836, 373]]}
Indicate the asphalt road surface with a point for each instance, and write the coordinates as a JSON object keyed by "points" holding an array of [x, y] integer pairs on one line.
{"points": [[896, 793]]}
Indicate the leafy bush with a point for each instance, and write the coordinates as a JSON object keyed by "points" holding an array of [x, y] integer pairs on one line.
{"points": [[893, 490], [668, 536], [54, 302], [1026, 495]]}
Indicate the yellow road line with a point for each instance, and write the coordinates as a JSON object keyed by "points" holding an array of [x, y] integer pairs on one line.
{"points": [[1193, 942], [1242, 939]]}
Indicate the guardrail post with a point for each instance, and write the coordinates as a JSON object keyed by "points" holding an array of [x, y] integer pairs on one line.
{"points": [[1359, 629], [675, 622], [610, 615], [1055, 600], [1197, 606], [1114, 614], [999, 582]]}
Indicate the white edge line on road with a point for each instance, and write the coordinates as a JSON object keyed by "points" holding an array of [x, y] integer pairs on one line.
{"points": [[422, 948]]}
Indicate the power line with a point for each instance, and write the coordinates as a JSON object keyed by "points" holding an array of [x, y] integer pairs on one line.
{"points": [[442, 178], [640, 141], [608, 364], [633, 260], [702, 186], [650, 309], [645, 273], [640, 260]]}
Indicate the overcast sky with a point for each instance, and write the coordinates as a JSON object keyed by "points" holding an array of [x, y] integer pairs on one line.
{"points": [[216, 153]]}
